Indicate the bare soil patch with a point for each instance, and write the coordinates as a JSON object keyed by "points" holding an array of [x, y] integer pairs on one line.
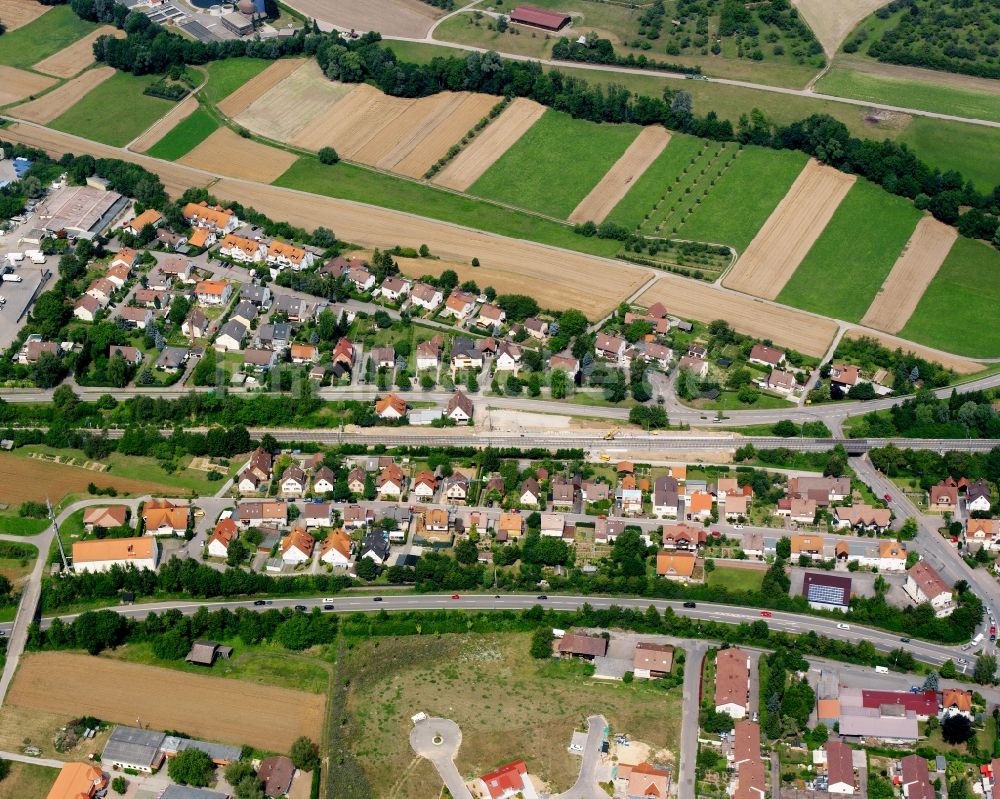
{"points": [[258, 85], [964, 366], [492, 142], [16, 84], [692, 299], [26, 479], [408, 18], [78, 56], [832, 21], [45, 109], [226, 153], [264, 716], [911, 275], [18, 13], [619, 179], [793, 227], [165, 124]]}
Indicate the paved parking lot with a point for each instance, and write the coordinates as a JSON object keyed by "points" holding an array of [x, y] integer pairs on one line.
{"points": [[19, 295]]}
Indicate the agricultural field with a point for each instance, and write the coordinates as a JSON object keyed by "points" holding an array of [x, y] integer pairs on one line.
{"points": [[831, 22], [268, 717], [899, 295], [18, 13], [175, 128], [543, 703], [757, 180], [36, 480], [790, 231], [965, 293], [16, 561], [971, 149], [409, 18], [134, 111], [229, 74], [51, 105], [554, 165], [844, 269], [78, 56], [13, 524], [226, 153], [17, 84], [48, 34]]}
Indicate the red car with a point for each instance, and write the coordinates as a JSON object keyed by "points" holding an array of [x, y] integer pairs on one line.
{"points": [[887, 497], [766, 614], [455, 596]]}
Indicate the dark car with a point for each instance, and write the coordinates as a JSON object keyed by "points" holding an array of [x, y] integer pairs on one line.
{"points": [[904, 640], [260, 602], [301, 608], [327, 607], [376, 599], [690, 604], [541, 596]]}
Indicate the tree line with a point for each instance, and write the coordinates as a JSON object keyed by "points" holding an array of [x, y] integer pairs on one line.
{"points": [[967, 415], [930, 467]]}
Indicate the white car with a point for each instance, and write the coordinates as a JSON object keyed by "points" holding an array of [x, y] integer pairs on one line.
{"points": [[843, 626]]}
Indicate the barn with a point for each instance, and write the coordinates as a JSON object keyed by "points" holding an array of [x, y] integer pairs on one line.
{"points": [[539, 18]]}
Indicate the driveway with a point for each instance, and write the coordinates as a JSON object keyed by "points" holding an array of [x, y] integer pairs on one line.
{"points": [[586, 786]]}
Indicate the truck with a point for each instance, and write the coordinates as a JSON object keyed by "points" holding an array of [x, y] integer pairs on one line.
{"points": [[10, 277], [14, 258], [36, 256], [977, 640], [882, 669]]}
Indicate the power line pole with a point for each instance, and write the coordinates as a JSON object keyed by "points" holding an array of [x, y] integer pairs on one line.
{"points": [[55, 526]]}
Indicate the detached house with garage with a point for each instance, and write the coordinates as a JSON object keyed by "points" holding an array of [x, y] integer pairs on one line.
{"points": [[978, 497], [390, 482], [944, 496], [426, 296], [766, 356], [391, 407], [163, 517], [213, 292], [732, 682], [222, 536], [611, 348], [336, 549], [394, 288], [294, 482], [924, 584], [297, 547]]}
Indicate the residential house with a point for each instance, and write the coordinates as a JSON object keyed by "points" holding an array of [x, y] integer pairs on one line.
{"points": [[375, 546], [798, 510], [222, 536], [823, 490], [646, 781], [683, 536], [698, 505], [176, 268], [507, 782], [956, 701], [944, 496], [297, 547], [259, 360], [563, 493], [924, 584], [196, 325], [915, 781], [650, 661], [355, 517], [490, 316], [293, 482], [275, 336], [101, 289], [465, 355], [343, 354], [530, 493], [100, 554], [220, 220], [245, 313], [213, 292], [429, 353], [292, 307], [982, 531], [390, 482], [536, 328], [746, 743], [202, 238], [766, 356], [260, 296], [553, 525], [281, 255], [569, 364], [304, 353], [459, 305], [242, 250], [255, 513], [675, 565], [459, 408], [390, 407], [659, 354], [593, 491], [456, 488], [611, 348], [362, 279], [138, 223], [163, 517], [839, 768], [105, 517], [86, 308], [424, 485], [383, 357], [732, 682], [862, 517], [170, 240], [394, 288], [336, 550], [844, 377], [696, 366], [131, 355], [118, 274], [736, 506], [508, 358], [606, 530], [324, 480], [510, 526], [276, 774], [826, 591], [978, 497], [630, 501], [356, 480], [781, 382], [424, 295], [151, 298], [139, 318], [583, 647]]}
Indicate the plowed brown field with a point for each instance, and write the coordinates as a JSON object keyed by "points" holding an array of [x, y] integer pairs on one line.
{"points": [[964, 366], [407, 18], [693, 299], [28, 479], [911, 275], [45, 109], [165, 124], [227, 153], [263, 716], [259, 84], [78, 56], [633, 162], [18, 13], [793, 227], [16, 84]]}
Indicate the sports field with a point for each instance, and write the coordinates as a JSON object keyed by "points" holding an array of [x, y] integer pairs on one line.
{"points": [[48, 34], [114, 112], [746, 193], [264, 716], [958, 310], [844, 269], [187, 135], [555, 163]]}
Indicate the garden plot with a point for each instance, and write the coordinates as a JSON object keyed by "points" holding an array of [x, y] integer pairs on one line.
{"points": [[16, 84], [54, 104], [226, 153], [241, 99], [78, 56]]}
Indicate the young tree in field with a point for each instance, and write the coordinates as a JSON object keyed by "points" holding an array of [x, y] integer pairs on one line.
{"points": [[327, 155], [191, 767]]}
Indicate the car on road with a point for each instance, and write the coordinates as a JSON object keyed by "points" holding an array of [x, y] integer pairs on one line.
{"points": [[260, 602], [993, 632], [301, 608], [766, 614], [376, 599], [690, 604], [904, 640], [962, 661], [541, 596], [755, 716], [887, 497], [843, 626], [327, 607], [455, 596]]}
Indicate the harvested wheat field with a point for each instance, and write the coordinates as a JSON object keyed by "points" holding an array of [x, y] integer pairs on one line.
{"points": [[911, 275], [263, 716], [492, 142], [260, 84], [407, 18], [78, 56], [615, 184], [790, 231], [165, 124], [45, 109], [693, 299], [18, 13], [964, 366], [16, 84], [288, 105], [227, 153], [25, 479], [832, 21]]}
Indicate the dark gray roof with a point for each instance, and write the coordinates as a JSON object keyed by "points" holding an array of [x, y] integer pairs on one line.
{"points": [[235, 329], [130, 745], [375, 542], [464, 346], [282, 331], [246, 310], [255, 294], [220, 753], [172, 357], [287, 303]]}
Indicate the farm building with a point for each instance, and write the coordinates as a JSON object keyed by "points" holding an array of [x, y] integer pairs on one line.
{"points": [[99, 555], [539, 18], [78, 781]]}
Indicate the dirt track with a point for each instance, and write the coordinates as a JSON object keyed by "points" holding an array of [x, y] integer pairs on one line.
{"points": [[964, 366], [911, 275], [45, 109], [78, 56], [16, 84], [619, 179], [239, 100], [694, 299], [218, 709], [410, 18], [227, 153], [165, 124], [492, 142], [18, 13], [832, 21], [791, 229]]}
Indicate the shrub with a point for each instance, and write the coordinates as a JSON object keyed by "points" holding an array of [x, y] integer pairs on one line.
{"points": [[327, 155]]}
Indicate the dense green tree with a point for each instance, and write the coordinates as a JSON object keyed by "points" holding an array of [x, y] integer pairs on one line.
{"points": [[191, 767], [304, 754]]}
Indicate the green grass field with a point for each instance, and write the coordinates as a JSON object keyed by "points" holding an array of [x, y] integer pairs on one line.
{"points": [[735, 579], [842, 272], [225, 77], [744, 197], [354, 183], [28, 780], [12, 524], [971, 149], [555, 163], [958, 311], [910, 94], [186, 136], [134, 111], [50, 33]]}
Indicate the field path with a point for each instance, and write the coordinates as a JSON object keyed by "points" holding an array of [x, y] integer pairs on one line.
{"points": [[793, 227], [165, 124], [78, 56], [240, 100], [615, 184], [911, 275], [492, 142], [48, 107]]}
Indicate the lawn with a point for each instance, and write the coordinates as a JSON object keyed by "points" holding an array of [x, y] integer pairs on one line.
{"points": [[958, 311], [351, 182], [11, 524], [226, 76], [910, 94], [744, 197], [186, 136], [844, 269], [728, 401], [50, 33], [647, 191], [134, 111], [26, 780], [17, 560], [971, 149], [507, 704], [734, 579], [555, 163]]}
